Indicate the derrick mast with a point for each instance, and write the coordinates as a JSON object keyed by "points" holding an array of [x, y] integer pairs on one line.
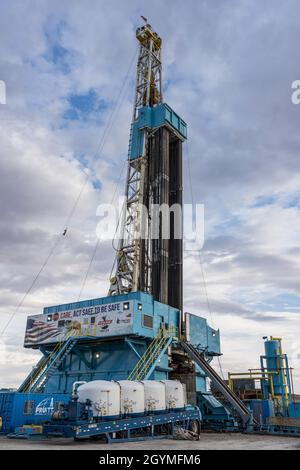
{"points": [[149, 255]]}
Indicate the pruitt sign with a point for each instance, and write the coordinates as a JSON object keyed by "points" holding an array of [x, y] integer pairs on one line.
{"points": [[45, 407]]}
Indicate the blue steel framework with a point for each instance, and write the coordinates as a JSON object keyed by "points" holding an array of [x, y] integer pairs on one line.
{"points": [[275, 364], [276, 410], [114, 357]]}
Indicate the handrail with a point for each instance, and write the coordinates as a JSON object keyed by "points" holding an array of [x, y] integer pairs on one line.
{"points": [[149, 357], [31, 381]]}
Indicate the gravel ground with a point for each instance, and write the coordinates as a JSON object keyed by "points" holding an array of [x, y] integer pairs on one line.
{"points": [[208, 441]]}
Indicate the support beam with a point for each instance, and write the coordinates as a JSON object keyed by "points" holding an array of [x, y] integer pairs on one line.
{"points": [[83, 358], [130, 342]]}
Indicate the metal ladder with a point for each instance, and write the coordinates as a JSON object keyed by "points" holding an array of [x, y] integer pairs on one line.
{"points": [[37, 379], [234, 401], [148, 361]]}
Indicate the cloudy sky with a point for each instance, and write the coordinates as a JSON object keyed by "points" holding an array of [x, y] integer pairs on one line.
{"points": [[69, 69]]}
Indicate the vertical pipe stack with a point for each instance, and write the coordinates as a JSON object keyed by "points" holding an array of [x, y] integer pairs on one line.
{"points": [[165, 159], [175, 296]]}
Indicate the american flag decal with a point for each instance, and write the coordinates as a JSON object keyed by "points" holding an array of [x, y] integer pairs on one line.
{"points": [[38, 331]]}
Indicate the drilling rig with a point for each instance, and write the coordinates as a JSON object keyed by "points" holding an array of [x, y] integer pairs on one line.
{"points": [[147, 260], [138, 332]]}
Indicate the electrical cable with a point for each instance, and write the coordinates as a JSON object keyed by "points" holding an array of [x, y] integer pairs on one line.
{"points": [[89, 268], [106, 132], [99, 239], [200, 259], [209, 309], [116, 187], [111, 124], [31, 285]]}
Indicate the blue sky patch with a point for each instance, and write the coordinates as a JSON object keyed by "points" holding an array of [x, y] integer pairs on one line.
{"points": [[281, 303], [292, 201], [84, 106], [228, 226], [265, 200], [56, 53], [96, 183]]}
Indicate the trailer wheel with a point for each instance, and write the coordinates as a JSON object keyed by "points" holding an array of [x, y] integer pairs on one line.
{"points": [[195, 427]]}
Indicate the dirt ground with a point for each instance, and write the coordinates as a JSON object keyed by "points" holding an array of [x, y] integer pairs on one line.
{"points": [[208, 441]]}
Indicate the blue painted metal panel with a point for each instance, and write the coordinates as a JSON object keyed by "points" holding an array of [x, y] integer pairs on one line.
{"points": [[98, 301], [137, 141], [207, 339], [39, 408], [161, 313], [273, 361], [294, 410], [262, 409], [109, 360], [201, 334], [201, 385], [151, 118], [211, 407], [214, 415]]}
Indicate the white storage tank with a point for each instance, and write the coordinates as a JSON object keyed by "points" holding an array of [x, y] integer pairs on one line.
{"points": [[155, 395], [132, 397], [175, 394], [104, 395]]}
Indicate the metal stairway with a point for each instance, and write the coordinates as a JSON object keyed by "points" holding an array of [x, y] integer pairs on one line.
{"points": [[148, 361], [25, 386], [230, 397], [36, 380]]}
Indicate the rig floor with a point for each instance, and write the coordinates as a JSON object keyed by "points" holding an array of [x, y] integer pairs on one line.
{"points": [[208, 441]]}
